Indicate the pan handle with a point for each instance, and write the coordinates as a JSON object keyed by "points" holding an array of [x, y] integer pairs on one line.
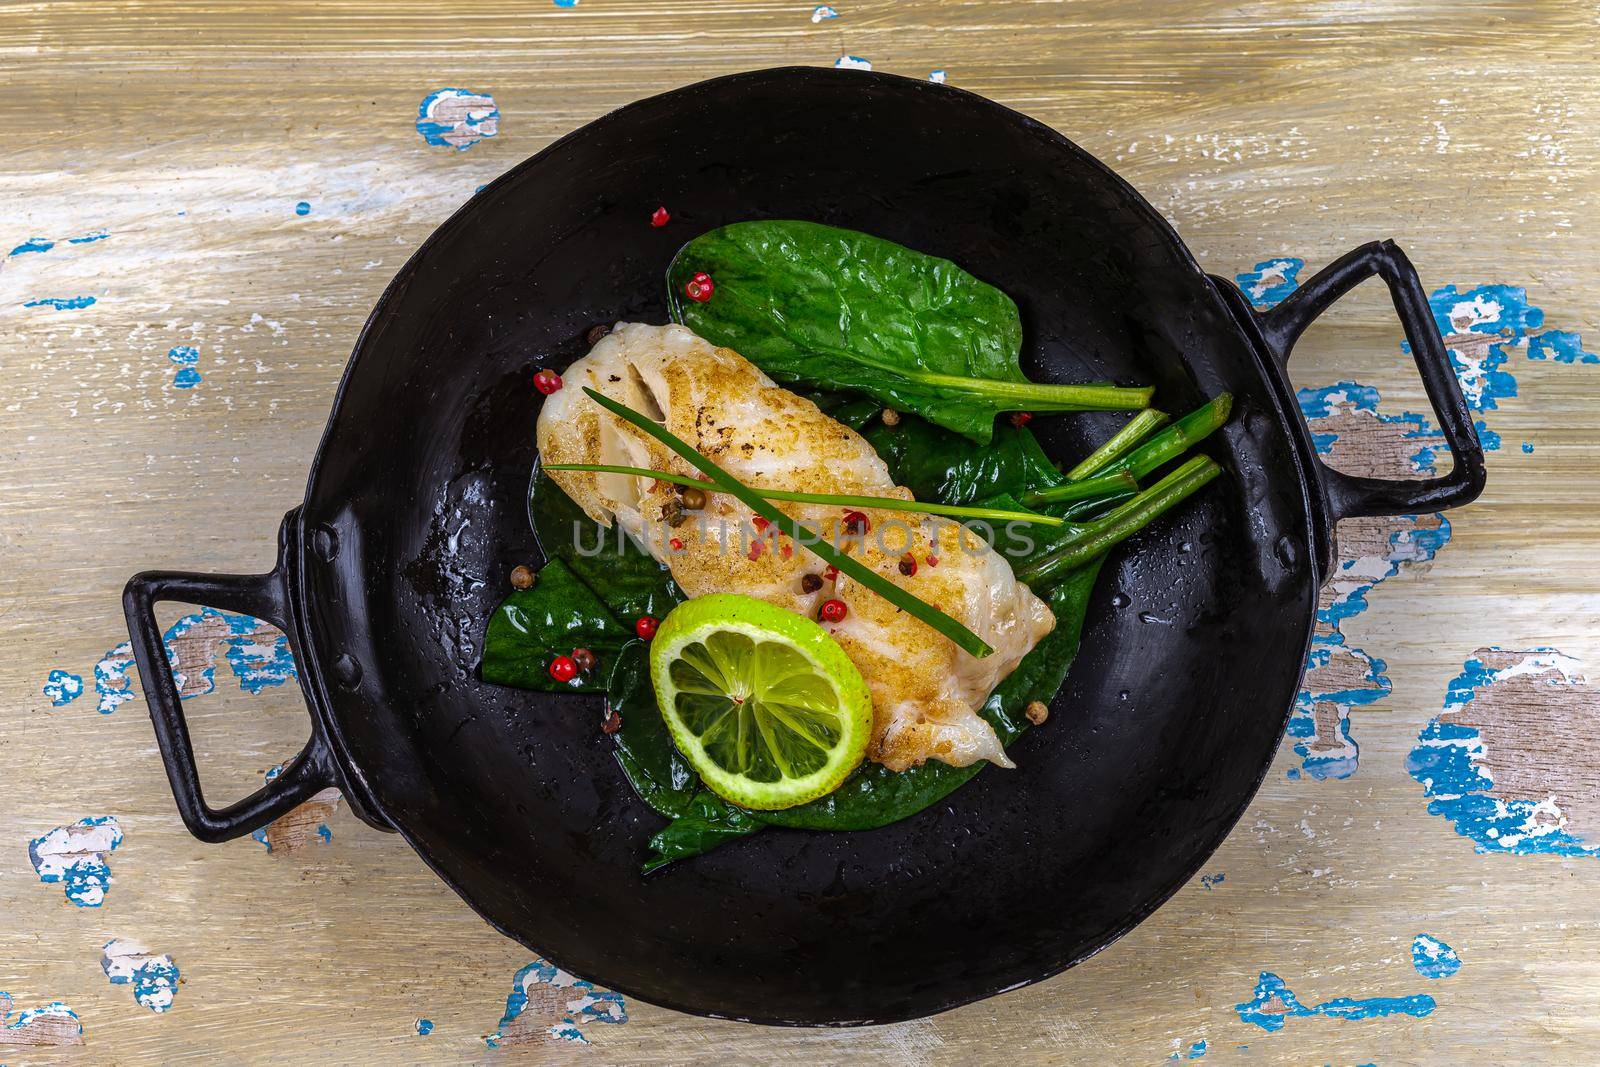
{"points": [[265, 597], [1349, 495]]}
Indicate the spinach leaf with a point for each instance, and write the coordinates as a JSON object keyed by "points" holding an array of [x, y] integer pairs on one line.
{"points": [[856, 412], [645, 752], [709, 822], [622, 574], [839, 309], [943, 467], [531, 626], [701, 820], [1043, 671], [938, 465]]}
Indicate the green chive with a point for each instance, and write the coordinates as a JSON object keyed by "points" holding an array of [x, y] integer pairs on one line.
{"points": [[1169, 444], [1043, 396], [1029, 396], [1140, 426], [1101, 535], [1095, 488], [1178, 438], [1117, 483], [917, 608]]}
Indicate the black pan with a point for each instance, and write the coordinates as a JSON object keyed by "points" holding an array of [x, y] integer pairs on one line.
{"points": [[415, 512]]}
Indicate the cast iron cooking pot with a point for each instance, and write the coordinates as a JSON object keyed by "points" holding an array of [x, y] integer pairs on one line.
{"points": [[416, 510]]}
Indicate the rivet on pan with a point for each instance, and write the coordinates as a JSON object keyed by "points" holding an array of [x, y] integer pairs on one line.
{"points": [[347, 671], [325, 542], [1288, 552]]}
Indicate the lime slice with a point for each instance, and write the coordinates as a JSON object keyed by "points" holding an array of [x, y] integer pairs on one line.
{"points": [[762, 702]]}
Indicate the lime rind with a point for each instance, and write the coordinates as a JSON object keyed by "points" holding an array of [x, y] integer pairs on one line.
{"points": [[761, 701]]}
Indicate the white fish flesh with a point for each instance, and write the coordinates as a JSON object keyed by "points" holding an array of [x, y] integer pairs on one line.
{"points": [[925, 690]]}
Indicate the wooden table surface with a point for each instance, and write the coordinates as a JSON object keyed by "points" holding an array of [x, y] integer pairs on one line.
{"points": [[204, 199]]}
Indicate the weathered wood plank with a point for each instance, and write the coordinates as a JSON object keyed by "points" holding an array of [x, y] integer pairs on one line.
{"points": [[1269, 132]]}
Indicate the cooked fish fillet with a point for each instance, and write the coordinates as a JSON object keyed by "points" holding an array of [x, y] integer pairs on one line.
{"points": [[925, 690]]}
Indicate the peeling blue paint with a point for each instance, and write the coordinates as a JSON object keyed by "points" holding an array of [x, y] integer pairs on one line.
{"points": [[424, 1027], [1196, 1050], [154, 978], [1562, 346], [77, 856], [1274, 1003], [185, 357], [1527, 448], [61, 303], [457, 118], [1211, 881], [258, 666], [1494, 310], [1499, 314], [112, 685], [1270, 281], [29, 1027], [302, 208], [823, 13], [1500, 311], [45, 244], [588, 1004], [33, 244], [852, 63], [1448, 761], [1343, 762], [1504, 313], [1411, 543], [255, 664], [1324, 402], [154, 985], [566, 3], [1485, 383], [63, 687], [1433, 958], [939, 77], [324, 834]]}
